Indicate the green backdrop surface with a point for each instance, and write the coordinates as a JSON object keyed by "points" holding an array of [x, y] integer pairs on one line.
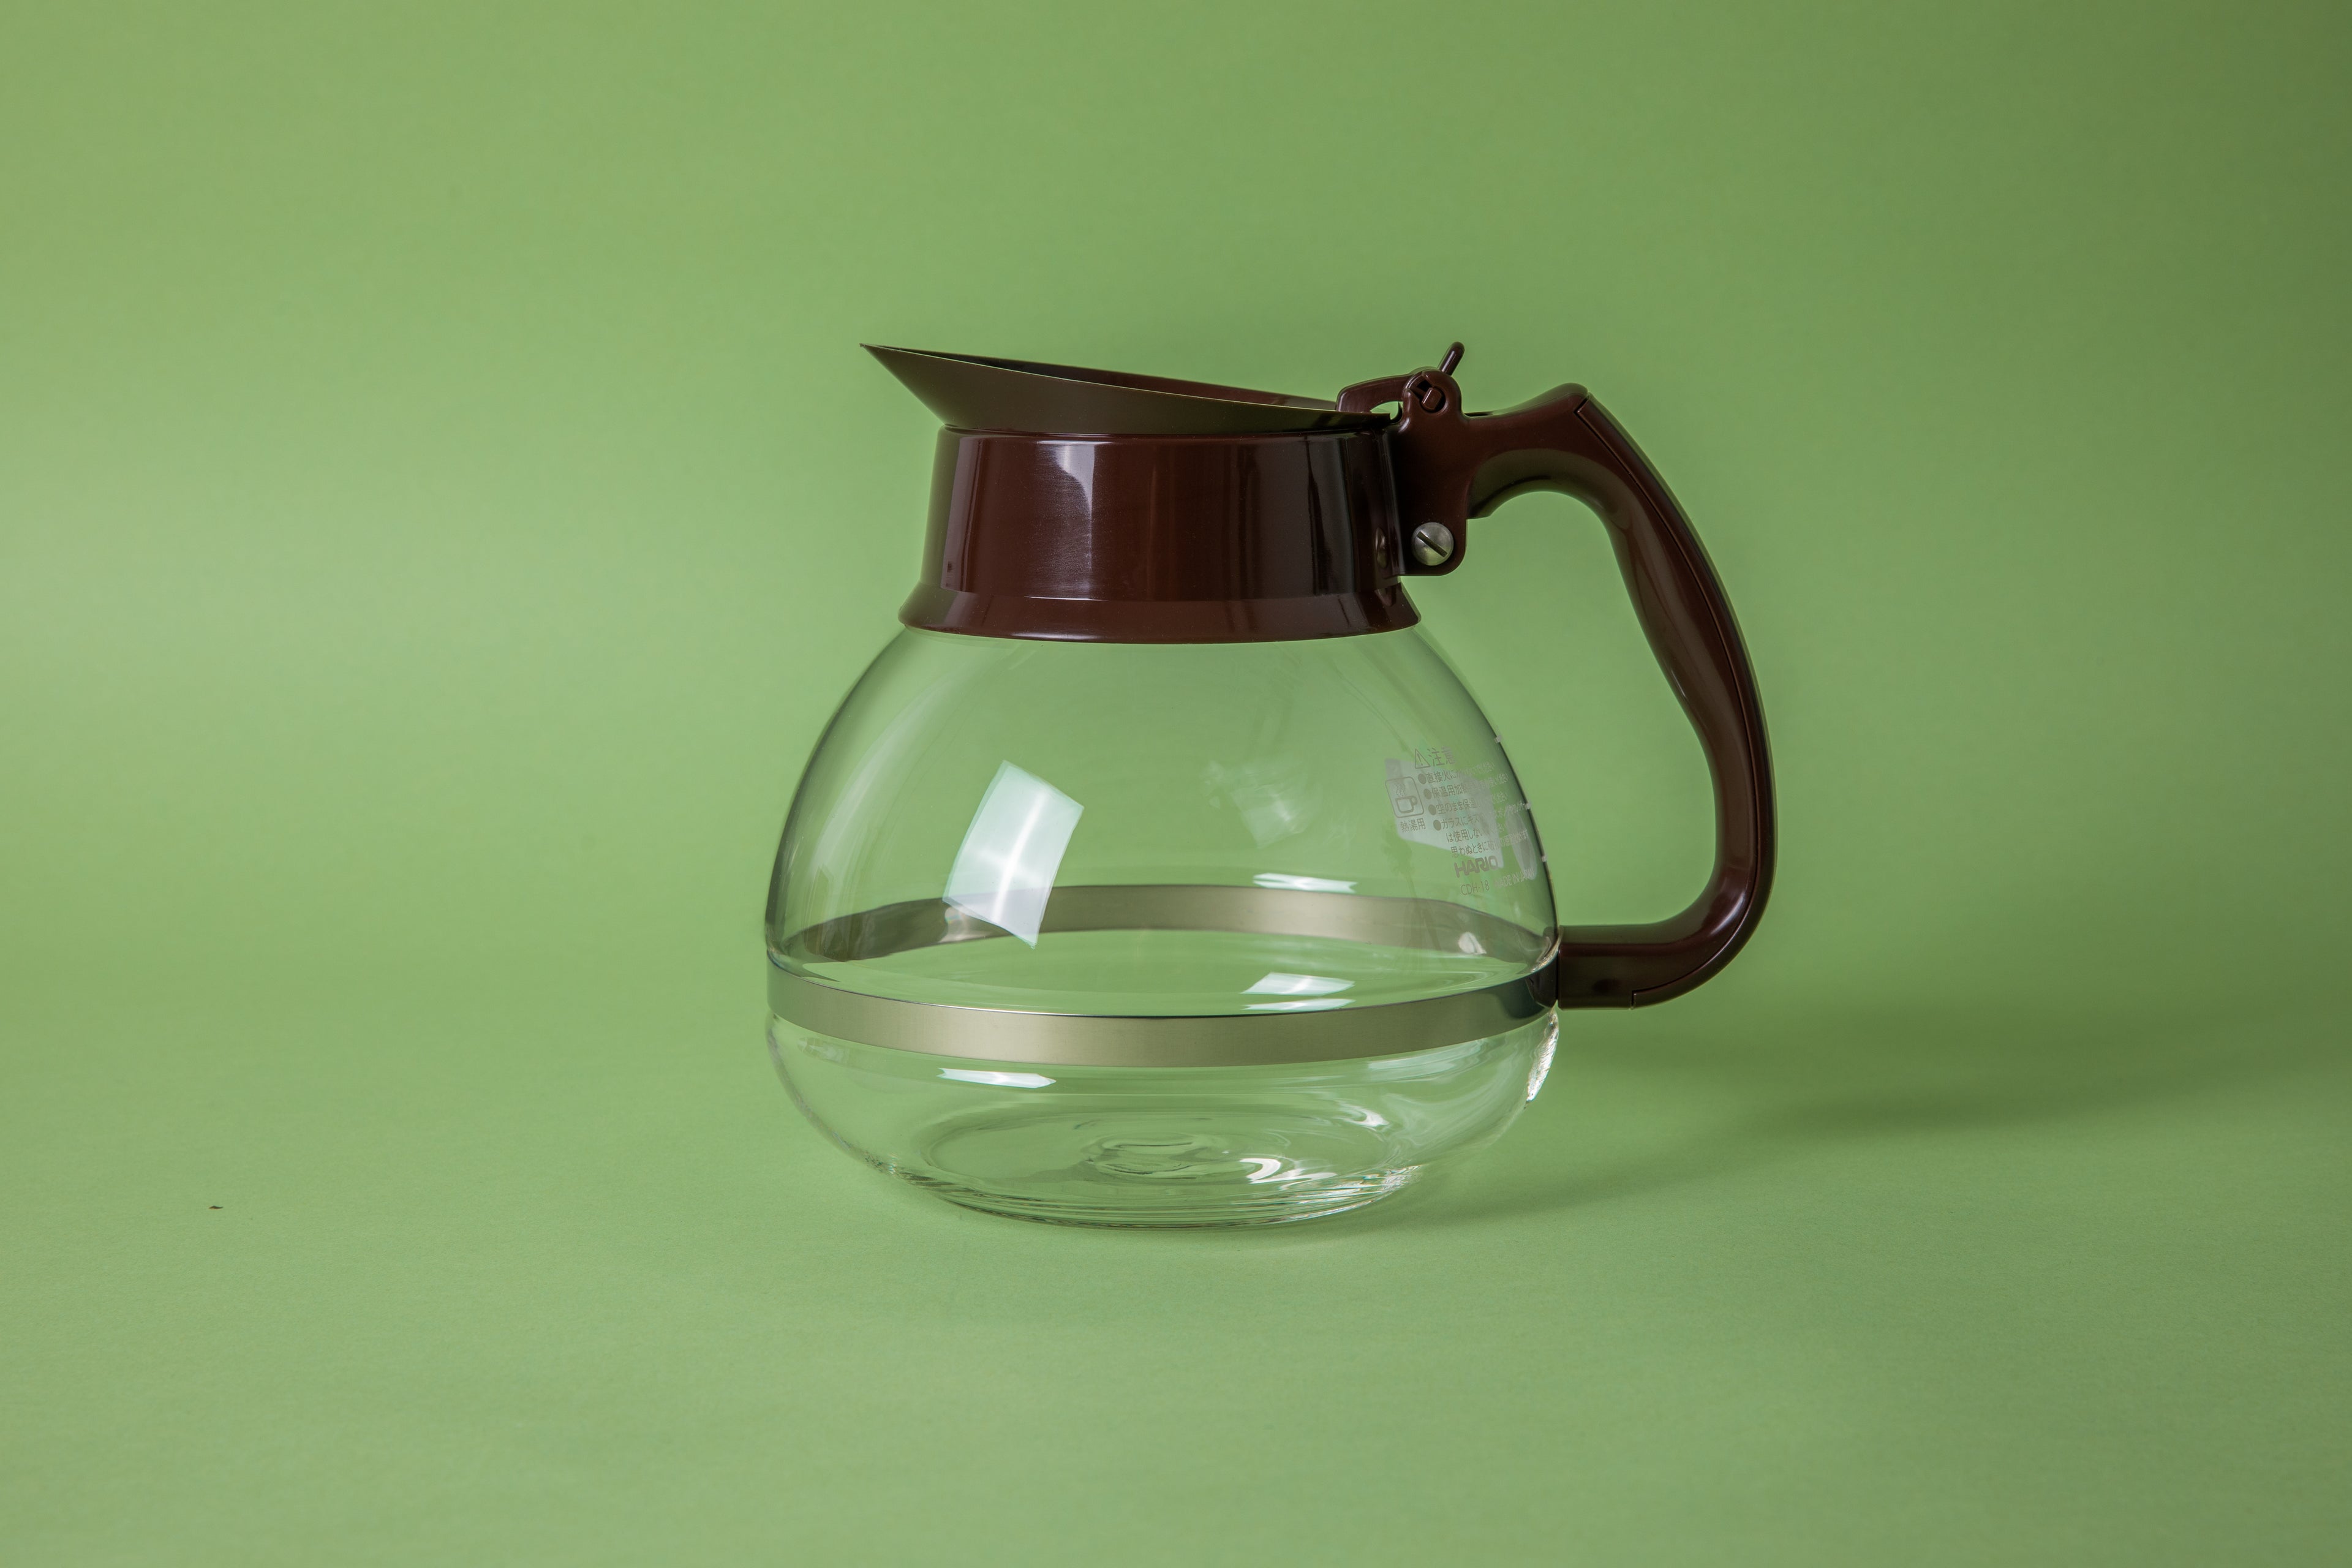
{"points": [[441, 498]]}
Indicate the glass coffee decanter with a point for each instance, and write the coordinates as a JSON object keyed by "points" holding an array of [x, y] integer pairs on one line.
{"points": [[1160, 872]]}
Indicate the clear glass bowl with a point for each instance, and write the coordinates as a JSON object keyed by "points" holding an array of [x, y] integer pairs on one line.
{"points": [[1160, 934]]}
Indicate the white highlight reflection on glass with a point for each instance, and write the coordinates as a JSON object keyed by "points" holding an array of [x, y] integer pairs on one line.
{"points": [[1542, 1070], [1277, 984], [1277, 798], [1003, 1080], [1003, 873], [1303, 884], [1310, 992]]}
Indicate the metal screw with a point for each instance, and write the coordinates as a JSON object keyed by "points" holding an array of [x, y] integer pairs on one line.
{"points": [[1433, 544]]}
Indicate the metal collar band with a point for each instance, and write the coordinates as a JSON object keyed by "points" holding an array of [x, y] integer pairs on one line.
{"points": [[1084, 1039]]}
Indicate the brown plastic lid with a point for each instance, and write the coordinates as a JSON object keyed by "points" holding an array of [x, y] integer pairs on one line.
{"points": [[973, 392]]}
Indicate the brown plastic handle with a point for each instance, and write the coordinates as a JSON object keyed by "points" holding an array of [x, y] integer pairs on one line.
{"points": [[1451, 468]]}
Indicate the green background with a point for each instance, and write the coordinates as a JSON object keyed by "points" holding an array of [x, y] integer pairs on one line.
{"points": [[441, 498]]}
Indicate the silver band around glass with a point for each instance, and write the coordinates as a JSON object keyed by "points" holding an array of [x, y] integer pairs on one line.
{"points": [[1227, 1039]]}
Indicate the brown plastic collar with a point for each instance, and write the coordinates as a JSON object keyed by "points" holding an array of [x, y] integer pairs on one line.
{"points": [[1162, 538]]}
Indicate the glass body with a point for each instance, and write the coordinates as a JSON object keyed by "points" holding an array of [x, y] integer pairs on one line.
{"points": [[1018, 819]]}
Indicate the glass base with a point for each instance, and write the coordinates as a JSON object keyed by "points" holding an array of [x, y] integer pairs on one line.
{"points": [[1246, 1166], [1161, 1147]]}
